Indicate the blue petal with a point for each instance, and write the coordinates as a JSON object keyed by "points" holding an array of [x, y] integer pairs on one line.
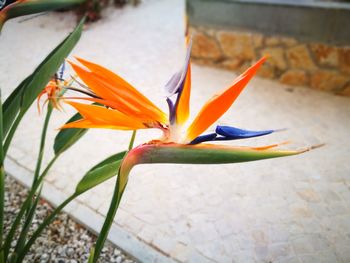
{"points": [[171, 110], [204, 138], [232, 133], [176, 82], [63, 67], [170, 87]]}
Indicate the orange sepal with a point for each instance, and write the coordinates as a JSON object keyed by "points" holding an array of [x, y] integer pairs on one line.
{"points": [[266, 147], [86, 124], [100, 117], [183, 107], [221, 102], [117, 85]]}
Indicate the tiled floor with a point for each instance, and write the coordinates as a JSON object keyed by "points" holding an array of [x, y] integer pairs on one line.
{"points": [[293, 209]]}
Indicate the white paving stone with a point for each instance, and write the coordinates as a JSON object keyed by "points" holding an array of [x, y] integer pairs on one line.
{"points": [[283, 210]]}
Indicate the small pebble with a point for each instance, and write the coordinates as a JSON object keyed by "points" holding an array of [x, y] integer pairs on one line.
{"points": [[64, 241], [70, 252], [44, 256]]}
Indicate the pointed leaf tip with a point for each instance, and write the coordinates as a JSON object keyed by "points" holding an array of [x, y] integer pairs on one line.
{"points": [[66, 138], [101, 172]]}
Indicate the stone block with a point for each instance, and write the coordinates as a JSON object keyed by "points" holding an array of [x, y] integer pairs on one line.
{"points": [[180, 252], [205, 47], [204, 62], [208, 31], [303, 245], [294, 77], [300, 210], [299, 57], [261, 253], [309, 195], [260, 238], [280, 252], [343, 252], [325, 55], [275, 57], [288, 41], [258, 40], [328, 80], [237, 45], [344, 59], [266, 71], [245, 66], [232, 64], [272, 41], [345, 91]]}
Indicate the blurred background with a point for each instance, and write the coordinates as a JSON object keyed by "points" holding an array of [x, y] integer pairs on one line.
{"points": [[306, 40]]}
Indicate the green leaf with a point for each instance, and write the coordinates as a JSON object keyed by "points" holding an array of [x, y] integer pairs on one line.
{"points": [[1, 132], [12, 105], [32, 7], [92, 254], [28, 223], [96, 175], [112, 210], [25, 94], [49, 67], [67, 137], [100, 172]]}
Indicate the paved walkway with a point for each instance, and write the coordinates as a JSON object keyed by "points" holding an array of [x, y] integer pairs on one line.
{"points": [[294, 209]]}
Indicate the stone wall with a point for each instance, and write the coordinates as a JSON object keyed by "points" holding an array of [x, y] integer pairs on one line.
{"points": [[317, 65]]}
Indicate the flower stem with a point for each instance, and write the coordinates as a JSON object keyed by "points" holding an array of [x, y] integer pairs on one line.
{"points": [[42, 144], [12, 132], [132, 140], [116, 198], [31, 207]]}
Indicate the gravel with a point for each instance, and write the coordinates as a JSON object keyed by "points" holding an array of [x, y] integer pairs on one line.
{"points": [[64, 240]]}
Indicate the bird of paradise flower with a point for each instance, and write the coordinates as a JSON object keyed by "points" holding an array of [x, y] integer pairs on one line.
{"points": [[122, 107], [118, 105]]}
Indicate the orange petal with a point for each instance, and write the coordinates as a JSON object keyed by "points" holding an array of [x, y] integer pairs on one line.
{"points": [[121, 87], [100, 116], [221, 102], [38, 100], [126, 102], [266, 147], [183, 107], [136, 114], [86, 124]]}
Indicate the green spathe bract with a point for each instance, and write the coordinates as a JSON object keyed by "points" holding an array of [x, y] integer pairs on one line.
{"points": [[203, 154], [194, 154]]}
